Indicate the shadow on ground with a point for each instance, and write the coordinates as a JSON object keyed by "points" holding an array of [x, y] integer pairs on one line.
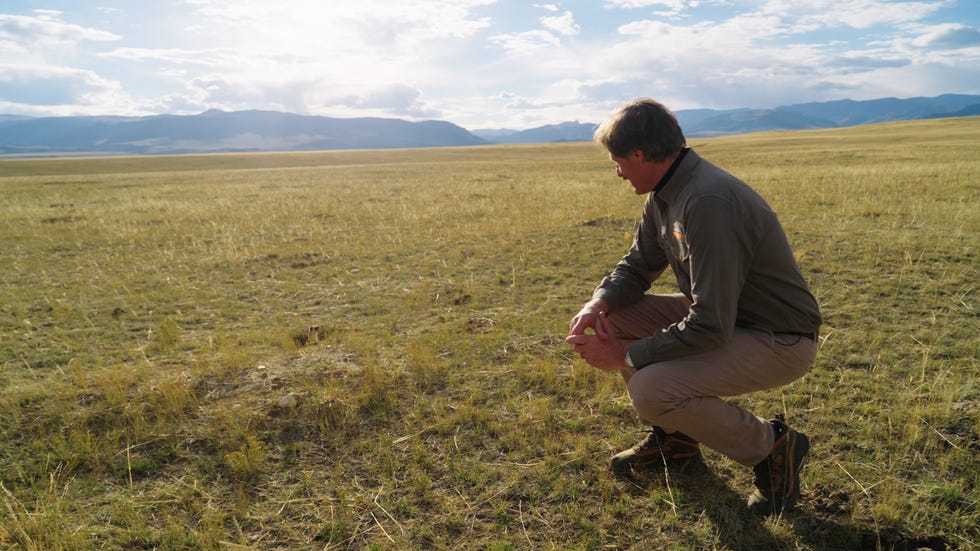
{"points": [[703, 493], [819, 523]]}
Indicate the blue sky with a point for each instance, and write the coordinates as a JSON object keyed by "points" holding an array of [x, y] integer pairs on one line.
{"points": [[477, 63]]}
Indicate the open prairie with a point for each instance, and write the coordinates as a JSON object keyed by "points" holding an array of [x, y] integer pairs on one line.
{"points": [[364, 349]]}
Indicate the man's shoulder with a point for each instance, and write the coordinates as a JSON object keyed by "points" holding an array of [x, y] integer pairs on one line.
{"points": [[700, 166], [706, 182], [700, 177]]}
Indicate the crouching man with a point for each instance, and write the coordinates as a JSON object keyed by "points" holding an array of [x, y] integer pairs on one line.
{"points": [[743, 321]]}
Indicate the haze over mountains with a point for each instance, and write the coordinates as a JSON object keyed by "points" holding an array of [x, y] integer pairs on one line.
{"points": [[218, 131]]}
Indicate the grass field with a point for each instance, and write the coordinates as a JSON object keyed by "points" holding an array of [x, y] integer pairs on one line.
{"points": [[163, 388]]}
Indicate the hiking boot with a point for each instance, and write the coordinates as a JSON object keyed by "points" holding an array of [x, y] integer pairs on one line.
{"points": [[656, 451], [777, 477]]}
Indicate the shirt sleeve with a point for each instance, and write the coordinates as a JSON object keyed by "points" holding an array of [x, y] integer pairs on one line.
{"points": [[635, 272], [719, 255]]}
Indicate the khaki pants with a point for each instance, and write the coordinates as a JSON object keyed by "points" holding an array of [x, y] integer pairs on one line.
{"points": [[683, 394]]}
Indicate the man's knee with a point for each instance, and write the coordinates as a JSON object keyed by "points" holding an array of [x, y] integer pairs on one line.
{"points": [[652, 394]]}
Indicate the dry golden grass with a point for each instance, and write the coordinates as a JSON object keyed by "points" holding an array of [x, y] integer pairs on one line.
{"points": [[163, 389]]}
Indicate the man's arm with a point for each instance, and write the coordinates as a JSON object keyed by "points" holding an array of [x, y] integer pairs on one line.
{"points": [[639, 268]]}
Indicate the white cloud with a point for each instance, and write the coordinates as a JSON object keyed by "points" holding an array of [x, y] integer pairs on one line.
{"points": [[304, 94], [223, 57], [529, 43], [858, 14], [394, 99], [861, 61], [45, 32], [948, 36], [47, 14], [669, 8], [526, 43], [673, 6], [46, 85], [563, 24], [239, 91], [43, 80], [338, 58], [41, 90], [354, 23]]}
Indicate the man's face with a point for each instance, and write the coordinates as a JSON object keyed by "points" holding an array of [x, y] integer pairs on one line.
{"points": [[642, 174]]}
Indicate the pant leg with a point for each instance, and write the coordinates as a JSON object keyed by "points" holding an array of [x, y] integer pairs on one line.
{"points": [[652, 314], [684, 394]]}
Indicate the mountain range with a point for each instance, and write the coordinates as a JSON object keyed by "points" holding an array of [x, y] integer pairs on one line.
{"points": [[713, 122], [240, 131]]}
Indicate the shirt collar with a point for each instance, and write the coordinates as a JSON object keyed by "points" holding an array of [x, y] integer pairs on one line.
{"points": [[670, 171]]}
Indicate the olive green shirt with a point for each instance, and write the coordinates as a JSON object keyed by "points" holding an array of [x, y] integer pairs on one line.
{"points": [[729, 254]]}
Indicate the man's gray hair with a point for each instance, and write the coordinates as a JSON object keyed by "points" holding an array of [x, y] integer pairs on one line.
{"points": [[642, 124]]}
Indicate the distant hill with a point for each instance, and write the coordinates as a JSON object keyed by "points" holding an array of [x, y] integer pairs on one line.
{"points": [[968, 111], [564, 132], [219, 131], [740, 121], [713, 122]]}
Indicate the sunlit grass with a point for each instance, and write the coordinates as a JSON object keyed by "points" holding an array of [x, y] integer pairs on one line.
{"points": [[156, 313]]}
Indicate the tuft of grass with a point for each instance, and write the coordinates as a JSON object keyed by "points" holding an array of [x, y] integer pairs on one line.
{"points": [[42, 524], [247, 462], [412, 305]]}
